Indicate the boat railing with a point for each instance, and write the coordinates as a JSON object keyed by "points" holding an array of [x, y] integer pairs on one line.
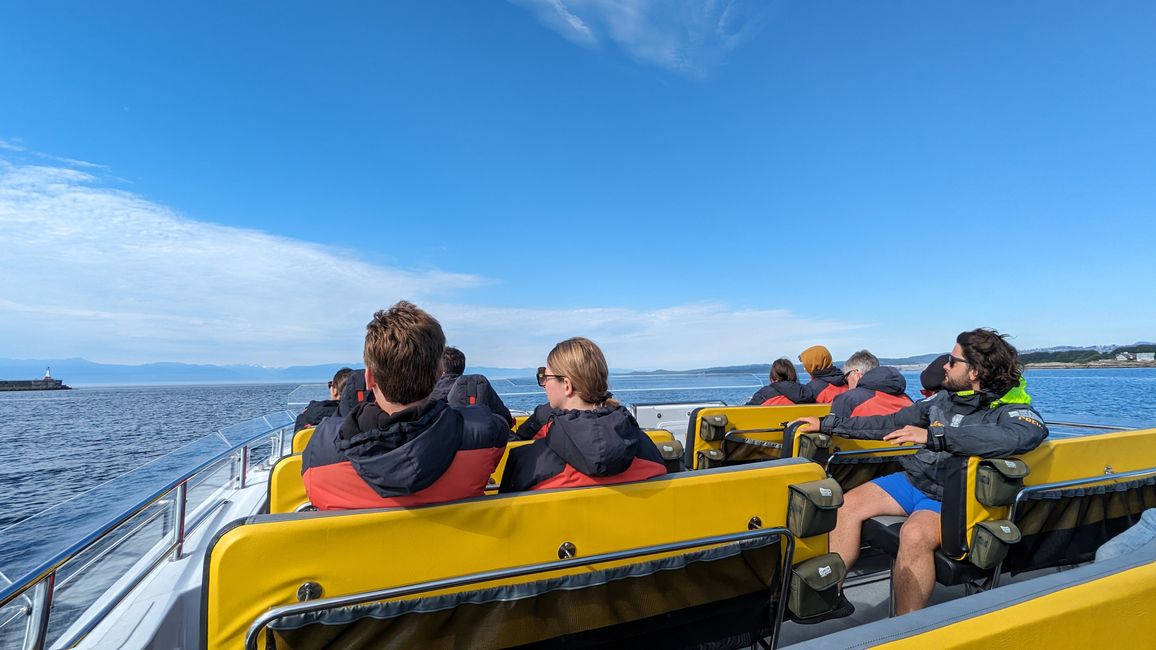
{"points": [[252, 637], [139, 537]]}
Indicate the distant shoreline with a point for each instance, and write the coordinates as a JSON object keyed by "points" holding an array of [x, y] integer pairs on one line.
{"points": [[1058, 365]]}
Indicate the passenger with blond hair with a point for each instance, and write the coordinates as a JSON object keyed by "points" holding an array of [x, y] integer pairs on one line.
{"points": [[588, 438]]}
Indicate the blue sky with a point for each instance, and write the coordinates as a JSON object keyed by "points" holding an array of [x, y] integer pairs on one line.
{"points": [[687, 183]]}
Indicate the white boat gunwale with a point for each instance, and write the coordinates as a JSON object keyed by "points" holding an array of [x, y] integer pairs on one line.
{"points": [[41, 580]]}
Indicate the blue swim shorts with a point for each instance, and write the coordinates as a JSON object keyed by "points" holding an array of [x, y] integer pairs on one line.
{"points": [[899, 487]]}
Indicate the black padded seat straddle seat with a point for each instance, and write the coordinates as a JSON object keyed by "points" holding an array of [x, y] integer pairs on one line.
{"points": [[883, 533]]}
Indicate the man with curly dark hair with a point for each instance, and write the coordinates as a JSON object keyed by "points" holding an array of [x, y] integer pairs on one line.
{"points": [[983, 410]]}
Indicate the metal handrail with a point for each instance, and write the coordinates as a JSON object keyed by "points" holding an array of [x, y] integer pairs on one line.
{"points": [[881, 451], [43, 576], [262, 621], [732, 436], [1078, 425]]}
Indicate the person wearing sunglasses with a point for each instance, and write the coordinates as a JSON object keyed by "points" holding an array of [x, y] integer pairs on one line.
{"points": [[318, 410], [588, 438], [873, 389], [983, 410]]}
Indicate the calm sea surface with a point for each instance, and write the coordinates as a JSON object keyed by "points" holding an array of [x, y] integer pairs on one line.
{"points": [[56, 445]]}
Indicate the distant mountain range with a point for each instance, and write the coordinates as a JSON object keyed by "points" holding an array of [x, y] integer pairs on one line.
{"points": [[83, 372]]}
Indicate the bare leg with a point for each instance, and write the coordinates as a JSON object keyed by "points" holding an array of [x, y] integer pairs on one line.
{"points": [[859, 505], [914, 574]]}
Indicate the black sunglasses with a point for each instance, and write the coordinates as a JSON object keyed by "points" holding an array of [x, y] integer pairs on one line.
{"points": [[952, 360], [542, 376], [331, 384]]}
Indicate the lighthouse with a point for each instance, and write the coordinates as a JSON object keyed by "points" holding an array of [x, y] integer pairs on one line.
{"points": [[48, 373]]}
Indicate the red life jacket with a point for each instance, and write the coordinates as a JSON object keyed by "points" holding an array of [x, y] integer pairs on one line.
{"points": [[339, 487], [882, 404], [829, 393]]}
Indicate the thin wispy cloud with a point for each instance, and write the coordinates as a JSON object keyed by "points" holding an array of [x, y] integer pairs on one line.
{"points": [[687, 36], [17, 149], [679, 337], [91, 270], [95, 271]]}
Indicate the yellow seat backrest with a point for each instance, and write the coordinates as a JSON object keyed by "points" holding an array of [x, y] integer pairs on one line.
{"points": [[764, 423], [301, 439], [286, 489], [261, 564]]}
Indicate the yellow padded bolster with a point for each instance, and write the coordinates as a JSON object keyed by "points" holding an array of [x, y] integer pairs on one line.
{"points": [[286, 489], [1086, 456], [659, 435], [301, 439], [1116, 611], [261, 564], [752, 417]]}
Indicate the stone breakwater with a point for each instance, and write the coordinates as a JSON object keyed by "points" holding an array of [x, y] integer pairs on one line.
{"points": [[33, 384]]}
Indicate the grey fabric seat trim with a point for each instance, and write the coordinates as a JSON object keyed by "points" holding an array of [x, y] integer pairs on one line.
{"points": [[506, 593], [962, 609]]}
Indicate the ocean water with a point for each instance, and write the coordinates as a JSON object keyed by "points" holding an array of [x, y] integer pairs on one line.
{"points": [[56, 445]]}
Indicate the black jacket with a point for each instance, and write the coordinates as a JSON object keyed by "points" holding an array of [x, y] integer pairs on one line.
{"points": [[405, 452], [469, 390], [820, 380], [601, 443], [791, 390], [966, 424], [882, 384], [314, 413], [534, 423]]}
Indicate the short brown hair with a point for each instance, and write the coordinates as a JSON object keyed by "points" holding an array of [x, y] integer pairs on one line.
{"points": [[403, 345], [581, 361], [783, 370]]}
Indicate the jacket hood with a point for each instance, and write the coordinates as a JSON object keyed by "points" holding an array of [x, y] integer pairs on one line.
{"points": [[443, 386], [405, 452], [815, 359], [601, 442], [832, 375], [1017, 395], [884, 379]]}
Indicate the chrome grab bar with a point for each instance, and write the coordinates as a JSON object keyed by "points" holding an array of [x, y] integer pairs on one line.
{"points": [[43, 577], [262, 621], [1077, 425]]}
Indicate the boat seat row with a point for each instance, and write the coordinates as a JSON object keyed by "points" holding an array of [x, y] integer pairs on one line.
{"points": [[1058, 504], [720, 436], [569, 566], [1053, 506]]}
